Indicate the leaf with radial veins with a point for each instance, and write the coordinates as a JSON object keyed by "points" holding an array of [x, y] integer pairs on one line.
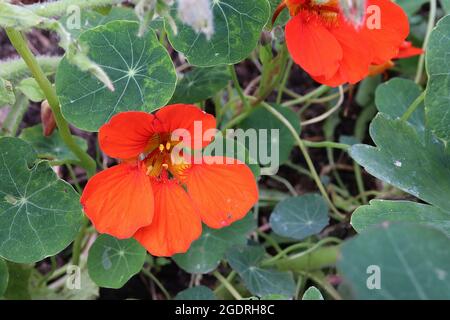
{"points": [[401, 261], [259, 281], [437, 100], [381, 211], [404, 161], [300, 217], [112, 262], [140, 68], [200, 84], [39, 214], [205, 253], [237, 29], [52, 147]]}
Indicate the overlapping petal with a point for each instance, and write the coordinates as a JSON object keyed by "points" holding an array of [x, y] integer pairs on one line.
{"points": [[196, 122], [119, 200], [126, 135], [222, 189], [175, 224]]}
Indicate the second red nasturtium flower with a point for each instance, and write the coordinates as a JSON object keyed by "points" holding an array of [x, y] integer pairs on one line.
{"points": [[155, 199], [332, 50]]}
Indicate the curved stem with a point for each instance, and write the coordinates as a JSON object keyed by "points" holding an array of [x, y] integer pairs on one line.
{"points": [[238, 87], [431, 22], [336, 214], [413, 107], [313, 94], [158, 283], [20, 44], [58, 8], [227, 285]]}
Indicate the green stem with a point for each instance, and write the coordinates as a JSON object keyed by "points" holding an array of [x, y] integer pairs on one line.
{"points": [[74, 178], [336, 214], [77, 244], [326, 144], [431, 23], [16, 69], [286, 183], [227, 285], [284, 81], [238, 87], [359, 181], [321, 281], [413, 107], [314, 260], [15, 115], [158, 283], [313, 94], [59, 8], [20, 44], [270, 241]]}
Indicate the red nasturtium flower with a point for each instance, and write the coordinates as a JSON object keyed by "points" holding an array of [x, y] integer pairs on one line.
{"points": [[331, 49], [155, 199]]}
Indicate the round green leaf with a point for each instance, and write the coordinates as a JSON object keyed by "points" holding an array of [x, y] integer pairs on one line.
{"points": [[312, 294], [140, 69], [396, 262], [205, 254], [438, 89], [200, 84], [4, 277], [261, 119], [403, 160], [260, 282], [196, 293], [380, 211], [52, 147], [39, 213], [91, 19], [395, 96], [300, 217], [30, 88], [112, 262], [237, 29]]}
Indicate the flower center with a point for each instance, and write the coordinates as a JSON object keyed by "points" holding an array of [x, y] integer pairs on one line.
{"points": [[163, 160], [328, 10]]}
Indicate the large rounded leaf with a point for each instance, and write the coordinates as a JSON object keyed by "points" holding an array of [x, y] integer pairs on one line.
{"points": [[438, 89], [200, 84], [300, 217], [39, 213], [140, 69], [381, 211], [196, 293], [403, 160], [259, 281], [237, 28], [112, 262], [205, 254], [398, 261]]}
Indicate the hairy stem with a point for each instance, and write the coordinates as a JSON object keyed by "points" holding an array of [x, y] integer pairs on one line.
{"points": [[20, 44]]}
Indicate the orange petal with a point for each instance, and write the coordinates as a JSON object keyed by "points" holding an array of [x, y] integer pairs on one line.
{"points": [[313, 46], [188, 117], [126, 135], [119, 200], [175, 224], [407, 50], [394, 28], [222, 193]]}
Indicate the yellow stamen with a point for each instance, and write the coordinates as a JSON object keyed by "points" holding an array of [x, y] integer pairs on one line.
{"points": [[168, 145], [161, 147]]}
